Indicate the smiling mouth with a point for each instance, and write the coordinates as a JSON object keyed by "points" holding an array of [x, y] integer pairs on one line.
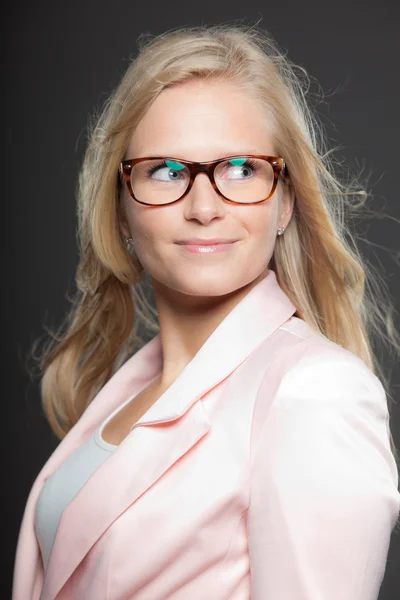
{"points": [[207, 248]]}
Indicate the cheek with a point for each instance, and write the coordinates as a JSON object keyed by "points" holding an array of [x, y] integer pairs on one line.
{"points": [[261, 222], [151, 229]]}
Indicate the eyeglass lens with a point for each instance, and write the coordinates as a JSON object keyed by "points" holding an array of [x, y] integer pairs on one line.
{"points": [[162, 181]]}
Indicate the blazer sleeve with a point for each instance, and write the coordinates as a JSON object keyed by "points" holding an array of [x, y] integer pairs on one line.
{"points": [[323, 486]]}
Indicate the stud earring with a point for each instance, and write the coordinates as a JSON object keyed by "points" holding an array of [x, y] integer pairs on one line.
{"points": [[281, 230], [129, 245]]}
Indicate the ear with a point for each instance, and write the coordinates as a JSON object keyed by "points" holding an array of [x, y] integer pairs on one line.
{"points": [[287, 204], [124, 229], [122, 221]]}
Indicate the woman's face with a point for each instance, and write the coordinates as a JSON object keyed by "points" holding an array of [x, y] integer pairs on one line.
{"points": [[203, 121]]}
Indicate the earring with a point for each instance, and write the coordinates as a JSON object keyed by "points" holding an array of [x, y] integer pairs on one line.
{"points": [[281, 230], [129, 245]]}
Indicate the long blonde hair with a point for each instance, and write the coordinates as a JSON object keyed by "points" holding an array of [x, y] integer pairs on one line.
{"points": [[316, 261]]}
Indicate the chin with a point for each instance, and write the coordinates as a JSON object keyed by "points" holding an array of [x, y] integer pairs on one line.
{"points": [[209, 286]]}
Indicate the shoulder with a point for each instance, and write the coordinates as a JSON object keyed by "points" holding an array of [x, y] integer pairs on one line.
{"points": [[324, 481], [323, 395], [310, 366]]}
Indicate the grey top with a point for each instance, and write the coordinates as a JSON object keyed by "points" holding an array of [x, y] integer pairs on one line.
{"points": [[61, 487]]}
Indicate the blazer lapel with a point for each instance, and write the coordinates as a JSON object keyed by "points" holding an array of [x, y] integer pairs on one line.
{"points": [[28, 571], [151, 448]]}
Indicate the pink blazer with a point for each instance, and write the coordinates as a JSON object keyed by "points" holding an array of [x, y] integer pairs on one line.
{"points": [[263, 472]]}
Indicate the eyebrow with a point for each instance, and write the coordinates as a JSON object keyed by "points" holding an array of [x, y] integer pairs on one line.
{"points": [[212, 156]]}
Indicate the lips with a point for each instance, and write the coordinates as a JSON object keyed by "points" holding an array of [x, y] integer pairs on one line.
{"points": [[208, 248], [209, 242]]}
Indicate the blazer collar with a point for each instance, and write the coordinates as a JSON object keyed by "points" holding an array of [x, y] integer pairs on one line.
{"points": [[261, 312], [251, 321]]}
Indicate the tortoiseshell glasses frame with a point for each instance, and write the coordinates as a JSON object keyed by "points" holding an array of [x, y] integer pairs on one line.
{"points": [[277, 163]]}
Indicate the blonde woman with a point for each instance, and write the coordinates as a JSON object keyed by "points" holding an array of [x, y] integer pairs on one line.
{"points": [[245, 450]]}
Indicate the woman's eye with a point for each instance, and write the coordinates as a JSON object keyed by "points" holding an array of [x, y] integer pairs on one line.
{"points": [[170, 171], [166, 174], [244, 171], [239, 171]]}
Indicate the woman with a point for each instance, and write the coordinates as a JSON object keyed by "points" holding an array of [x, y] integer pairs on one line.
{"points": [[245, 450]]}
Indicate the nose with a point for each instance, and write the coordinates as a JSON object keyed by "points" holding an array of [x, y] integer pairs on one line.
{"points": [[203, 202], [202, 187]]}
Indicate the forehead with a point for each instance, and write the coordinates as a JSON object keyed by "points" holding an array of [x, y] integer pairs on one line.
{"points": [[202, 121]]}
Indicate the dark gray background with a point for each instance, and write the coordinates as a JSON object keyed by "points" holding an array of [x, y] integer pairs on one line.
{"points": [[61, 60]]}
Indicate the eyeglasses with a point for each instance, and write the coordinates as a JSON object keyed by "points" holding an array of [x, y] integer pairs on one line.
{"points": [[247, 179]]}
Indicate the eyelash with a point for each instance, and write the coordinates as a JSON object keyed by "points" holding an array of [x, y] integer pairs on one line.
{"points": [[250, 162], [153, 169]]}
